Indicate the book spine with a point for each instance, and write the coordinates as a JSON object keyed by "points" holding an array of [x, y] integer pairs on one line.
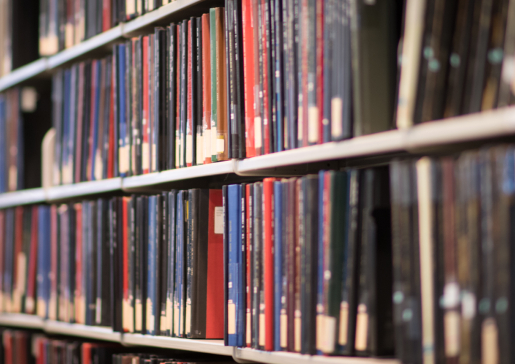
{"points": [[145, 116], [268, 261], [248, 73], [206, 88], [214, 78], [278, 261], [199, 116], [248, 282], [233, 223]]}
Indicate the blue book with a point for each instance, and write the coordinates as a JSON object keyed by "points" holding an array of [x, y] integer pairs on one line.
{"points": [[320, 268], [96, 114], [151, 266], [179, 267], [278, 262], [3, 149], [234, 236], [72, 120], [123, 138]]}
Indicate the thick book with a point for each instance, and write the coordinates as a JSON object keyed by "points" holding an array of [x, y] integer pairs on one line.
{"points": [[233, 221]]}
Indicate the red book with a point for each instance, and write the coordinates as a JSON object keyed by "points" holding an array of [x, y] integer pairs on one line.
{"points": [[320, 68], [7, 339], [151, 100], [17, 290], [21, 347], [206, 87], [80, 116], [248, 223], [215, 263], [30, 298], [248, 73], [2, 249], [189, 107], [178, 149], [86, 353], [268, 260], [266, 91], [106, 15], [52, 307], [112, 145], [80, 313], [145, 150]]}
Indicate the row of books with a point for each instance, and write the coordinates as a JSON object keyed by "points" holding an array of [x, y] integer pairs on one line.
{"points": [[452, 228], [222, 86], [18, 34], [146, 264], [26, 347], [457, 58], [11, 141], [65, 23], [308, 263]]}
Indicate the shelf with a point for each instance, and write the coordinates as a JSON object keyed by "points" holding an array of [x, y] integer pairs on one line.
{"points": [[179, 174], [21, 320], [157, 15], [22, 197], [70, 191], [23, 73], [280, 357], [374, 144], [199, 345], [98, 41], [90, 332]]}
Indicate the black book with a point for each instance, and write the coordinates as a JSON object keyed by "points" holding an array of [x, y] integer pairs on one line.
{"points": [[172, 94], [231, 79], [191, 234], [160, 137], [103, 291], [184, 89], [91, 18], [404, 238], [250, 310], [172, 197], [116, 97], [309, 261], [459, 51], [271, 50], [436, 64], [159, 273], [57, 123], [92, 271], [260, 80], [374, 334], [480, 36], [259, 287], [199, 207], [115, 230], [143, 257], [279, 74], [192, 73], [138, 270]]}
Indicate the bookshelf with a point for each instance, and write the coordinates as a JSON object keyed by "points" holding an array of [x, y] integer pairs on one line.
{"points": [[438, 136]]}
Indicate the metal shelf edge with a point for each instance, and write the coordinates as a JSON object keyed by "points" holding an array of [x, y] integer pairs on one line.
{"points": [[280, 357], [23, 73], [178, 174], [199, 345], [21, 320], [22, 197], [70, 191], [91, 332]]}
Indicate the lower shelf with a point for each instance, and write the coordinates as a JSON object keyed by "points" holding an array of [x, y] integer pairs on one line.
{"points": [[240, 355]]}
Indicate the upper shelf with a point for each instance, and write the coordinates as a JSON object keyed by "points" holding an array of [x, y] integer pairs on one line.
{"points": [[436, 134], [99, 41]]}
